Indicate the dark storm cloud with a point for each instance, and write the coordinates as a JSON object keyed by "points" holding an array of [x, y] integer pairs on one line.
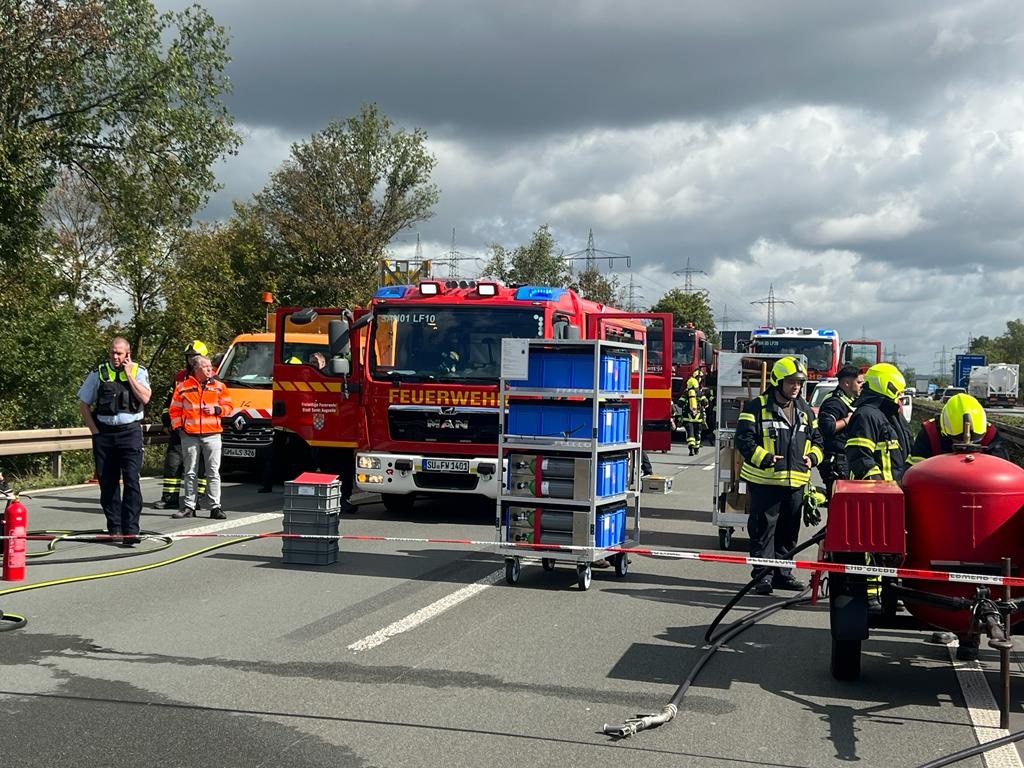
{"points": [[483, 68]]}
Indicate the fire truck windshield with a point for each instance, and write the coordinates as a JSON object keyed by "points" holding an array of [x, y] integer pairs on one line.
{"points": [[251, 363], [461, 343], [682, 346], [819, 352]]}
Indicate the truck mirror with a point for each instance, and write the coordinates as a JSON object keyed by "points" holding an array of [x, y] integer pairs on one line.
{"points": [[340, 366], [558, 328], [339, 338], [572, 332]]}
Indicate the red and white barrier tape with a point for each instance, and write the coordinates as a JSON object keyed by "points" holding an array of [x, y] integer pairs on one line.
{"points": [[540, 550]]}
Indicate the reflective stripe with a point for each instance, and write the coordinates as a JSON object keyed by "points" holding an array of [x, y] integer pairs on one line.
{"points": [[747, 417], [816, 452], [760, 454], [790, 478], [861, 442]]}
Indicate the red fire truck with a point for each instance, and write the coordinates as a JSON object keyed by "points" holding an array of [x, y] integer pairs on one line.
{"points": [[411, 384], [821, 346]]}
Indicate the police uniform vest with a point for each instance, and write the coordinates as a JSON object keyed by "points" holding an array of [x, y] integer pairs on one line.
{"points": [[114, 394]]}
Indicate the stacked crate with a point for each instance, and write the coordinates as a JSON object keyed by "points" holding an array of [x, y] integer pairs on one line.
{"points": [[312, 507]]}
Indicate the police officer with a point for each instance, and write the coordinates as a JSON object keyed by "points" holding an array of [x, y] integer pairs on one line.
{"points": [[170, 494], [777, 434], [833, 420], [111, 400], [938, 435]]}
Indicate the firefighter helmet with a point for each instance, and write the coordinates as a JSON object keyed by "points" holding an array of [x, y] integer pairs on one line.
{"points": [[196, 347], [784, 368], [885, 379], [959, 408]]}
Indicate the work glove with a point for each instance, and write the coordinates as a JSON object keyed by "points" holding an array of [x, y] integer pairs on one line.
{"points": [[813, 499]]}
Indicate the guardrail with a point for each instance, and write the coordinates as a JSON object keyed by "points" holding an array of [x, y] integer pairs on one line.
{"points": [[55, 441]]}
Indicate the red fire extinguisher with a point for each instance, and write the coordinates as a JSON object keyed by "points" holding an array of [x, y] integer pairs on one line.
{"points": [[15, 525]]}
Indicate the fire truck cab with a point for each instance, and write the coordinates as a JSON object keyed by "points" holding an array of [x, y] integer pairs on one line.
{"points": [[411, 384]]}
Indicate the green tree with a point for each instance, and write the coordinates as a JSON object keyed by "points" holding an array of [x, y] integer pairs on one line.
{"points": [[337, 202], [127, 98], [689, 308], [537, 263], [591, 284]]}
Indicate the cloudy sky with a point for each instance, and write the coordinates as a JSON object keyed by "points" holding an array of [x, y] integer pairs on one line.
{"points": [[863, 160]]}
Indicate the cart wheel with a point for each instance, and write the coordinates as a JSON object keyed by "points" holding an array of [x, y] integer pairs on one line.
{"points": [[583, 576], [548, 563], [845, 659], [512, 569], [724, 538], [621, 564]]}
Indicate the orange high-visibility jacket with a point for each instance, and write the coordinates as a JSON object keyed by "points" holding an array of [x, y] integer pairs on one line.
{"points": [[187, 401]]}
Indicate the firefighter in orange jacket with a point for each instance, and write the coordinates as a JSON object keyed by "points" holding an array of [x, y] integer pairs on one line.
{"points": [[196, 408]]}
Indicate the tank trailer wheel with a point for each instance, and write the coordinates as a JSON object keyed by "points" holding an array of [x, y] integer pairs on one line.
{"points": [[547, 563], [725, 538]]}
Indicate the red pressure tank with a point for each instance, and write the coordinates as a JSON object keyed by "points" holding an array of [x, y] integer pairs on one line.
{"points": [[965, 512], [15, 525]]}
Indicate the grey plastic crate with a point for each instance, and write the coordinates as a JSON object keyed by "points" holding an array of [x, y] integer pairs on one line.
{"points": [[305, 517], [324, 503], [294, 488], [329, 527], [309, 551]]}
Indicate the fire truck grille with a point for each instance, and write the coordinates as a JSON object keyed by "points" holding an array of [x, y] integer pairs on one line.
{"points": [[435, 426]]}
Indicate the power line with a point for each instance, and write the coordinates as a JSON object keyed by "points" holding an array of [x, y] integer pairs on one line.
{"points": [[592, 253], [771, 301], [632, 295], [688, 274]]}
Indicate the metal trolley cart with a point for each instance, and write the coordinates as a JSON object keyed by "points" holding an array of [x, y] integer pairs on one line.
{"points": [[569, 440], [741, 377]]}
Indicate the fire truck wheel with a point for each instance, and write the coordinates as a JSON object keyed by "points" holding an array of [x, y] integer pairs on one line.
{"points": [[548, 563], [396, 504], [512, 569], [845, 659]]}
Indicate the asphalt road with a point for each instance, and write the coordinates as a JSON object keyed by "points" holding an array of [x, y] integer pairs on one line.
{"points": [[406, 653]]}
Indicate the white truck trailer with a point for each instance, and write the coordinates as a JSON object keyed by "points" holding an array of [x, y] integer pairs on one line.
{"points": [[995, 384]]}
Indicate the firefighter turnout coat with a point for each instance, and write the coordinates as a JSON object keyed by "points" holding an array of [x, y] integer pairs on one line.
{"points": [[878, 441], [763, 432]]}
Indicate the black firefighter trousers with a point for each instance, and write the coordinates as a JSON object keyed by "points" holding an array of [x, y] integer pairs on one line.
{"points": [[773, 523]]}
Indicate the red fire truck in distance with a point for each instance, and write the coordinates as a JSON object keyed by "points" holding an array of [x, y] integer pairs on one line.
{"points": [[411, 387], [822, 348]]}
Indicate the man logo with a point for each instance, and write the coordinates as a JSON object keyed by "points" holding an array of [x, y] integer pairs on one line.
{"points": [[318, 421]]}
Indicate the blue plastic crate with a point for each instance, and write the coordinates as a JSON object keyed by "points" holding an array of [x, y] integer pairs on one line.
{"points": [[615, 372], [610, 527]]}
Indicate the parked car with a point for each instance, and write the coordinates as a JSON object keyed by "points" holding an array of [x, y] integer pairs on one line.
{"points": [[950, 391], [937, 394]]}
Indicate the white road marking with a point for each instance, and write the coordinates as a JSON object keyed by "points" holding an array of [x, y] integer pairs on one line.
{"points": [[426, 613], [234, 522], [708, 467], [983, 711]]}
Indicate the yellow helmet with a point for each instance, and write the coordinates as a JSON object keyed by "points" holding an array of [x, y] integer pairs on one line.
{"points": [[958, 408], [196, 347], [784, 368], [885, 379]]}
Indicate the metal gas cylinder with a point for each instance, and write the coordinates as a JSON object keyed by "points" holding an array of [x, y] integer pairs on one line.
{"points": [[965, 511]]}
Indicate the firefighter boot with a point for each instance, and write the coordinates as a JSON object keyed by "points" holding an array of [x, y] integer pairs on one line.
{"points": [[166, 502]]}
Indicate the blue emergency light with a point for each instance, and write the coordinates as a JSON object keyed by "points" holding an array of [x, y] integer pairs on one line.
{"points": [[391, 292], [538, 293]]}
